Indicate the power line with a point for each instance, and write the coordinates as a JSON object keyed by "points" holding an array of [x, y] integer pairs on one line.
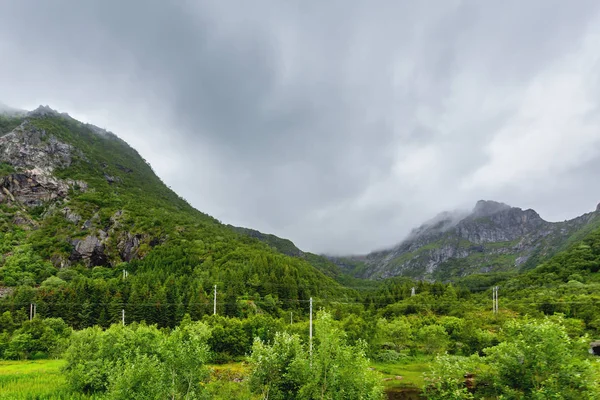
{"points": [[321, 301]]}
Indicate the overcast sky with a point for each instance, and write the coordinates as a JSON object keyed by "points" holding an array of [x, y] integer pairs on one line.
{"points": [[338, 124]]}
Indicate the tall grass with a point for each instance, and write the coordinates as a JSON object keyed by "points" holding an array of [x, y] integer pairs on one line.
{"points": [[44, 380], [35, 380]]}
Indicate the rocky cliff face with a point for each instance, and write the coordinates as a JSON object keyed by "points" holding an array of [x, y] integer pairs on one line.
{"points": [[492, 237], [34, 155], [28, 147], [30, 159]]}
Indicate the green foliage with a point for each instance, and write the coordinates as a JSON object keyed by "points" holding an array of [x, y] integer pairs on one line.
{"points": [[446, 379], [181, 253], [539, 360], [53, 282], [394, 337], [139, 361], [38, 338], [6, 169], [8, 123], [341, 370], [141, 377], [433, 339], [535, 360], [221, 389], [335, 370], [25, 267], [279, 370], [262, 281], [229, 381]]}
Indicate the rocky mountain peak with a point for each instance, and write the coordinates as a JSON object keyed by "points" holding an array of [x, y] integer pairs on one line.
{"points": [[45, 111], [438, 224], [485, 208], [492, 237]]}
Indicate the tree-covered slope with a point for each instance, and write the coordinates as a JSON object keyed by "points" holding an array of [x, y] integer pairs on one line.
{"points": [[78, 206], [286, 246]]}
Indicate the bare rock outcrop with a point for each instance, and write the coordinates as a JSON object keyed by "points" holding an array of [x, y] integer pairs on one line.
{"points": [[24, 220], [129, 245], [71, 216], [90, 250], [35, 155], [28, 147]]}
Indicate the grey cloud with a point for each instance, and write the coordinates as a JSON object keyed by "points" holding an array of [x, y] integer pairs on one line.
{"points": [[340, 125]]}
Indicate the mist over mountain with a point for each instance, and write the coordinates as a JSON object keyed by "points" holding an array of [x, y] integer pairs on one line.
{"points": [[492, 237], [7, 110]]}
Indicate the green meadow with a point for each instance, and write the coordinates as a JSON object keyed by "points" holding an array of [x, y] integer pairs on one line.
{"points": [[34, 379]]}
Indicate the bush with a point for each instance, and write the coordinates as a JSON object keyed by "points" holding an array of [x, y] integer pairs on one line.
{"points": [[139, 361], [389, 356], [35, 339], [536, 360], [336, 370]]}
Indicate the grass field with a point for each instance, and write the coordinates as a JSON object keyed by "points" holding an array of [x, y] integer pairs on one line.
{"points": [[39, 380], [411, 373]]}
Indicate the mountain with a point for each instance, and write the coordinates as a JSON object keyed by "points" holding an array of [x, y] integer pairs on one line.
{"points": [[493, 237], [287, 247], [78, 206], [284, 246]]}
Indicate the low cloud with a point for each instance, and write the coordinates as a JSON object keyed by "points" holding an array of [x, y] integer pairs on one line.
{"points": [[341, 126]]}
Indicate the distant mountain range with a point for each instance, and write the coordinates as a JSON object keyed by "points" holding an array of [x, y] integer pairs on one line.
{"points": [[493, 237]]}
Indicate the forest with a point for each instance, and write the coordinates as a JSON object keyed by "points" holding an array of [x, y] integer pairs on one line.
{"points": [[535, 346]]}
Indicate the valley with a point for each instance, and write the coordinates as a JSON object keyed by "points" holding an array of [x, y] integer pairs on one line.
{"points": [[112, 284]]}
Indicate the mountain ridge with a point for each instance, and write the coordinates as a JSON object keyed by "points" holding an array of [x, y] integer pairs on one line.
{"points": [[493, 237]]}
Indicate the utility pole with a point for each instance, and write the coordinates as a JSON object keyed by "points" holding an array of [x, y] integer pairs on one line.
{"points": [[123, 316], [30, 311], [310, 332], [497, 302], [412, 291], [215, 302], [495, 299]]}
